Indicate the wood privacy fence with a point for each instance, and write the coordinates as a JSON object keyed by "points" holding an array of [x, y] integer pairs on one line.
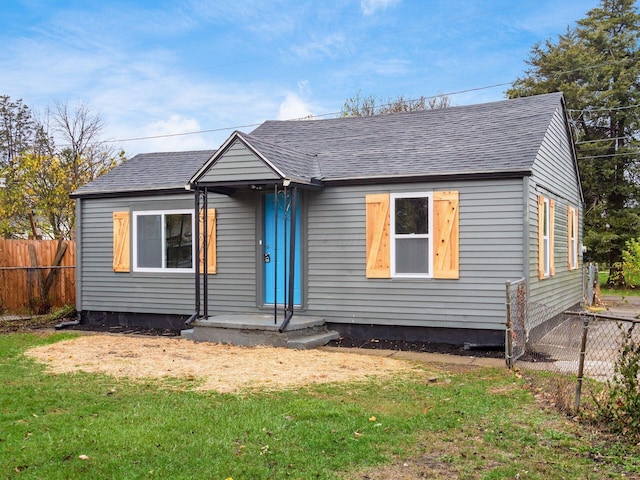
{"points": [[36, 275]]}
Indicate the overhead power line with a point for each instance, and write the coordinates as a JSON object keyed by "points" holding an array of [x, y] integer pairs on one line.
{"points": [[602, 109], [605, 140], [333, 114], [167, 135], [589, 157]]}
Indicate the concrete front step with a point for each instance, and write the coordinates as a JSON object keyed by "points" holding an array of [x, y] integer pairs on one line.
{"points": [[188, 334], [254, 330], [313, 341]]}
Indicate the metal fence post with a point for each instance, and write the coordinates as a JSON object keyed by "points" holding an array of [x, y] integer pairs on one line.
{"points": [[585, 287], [583, 352], [508, 340]]}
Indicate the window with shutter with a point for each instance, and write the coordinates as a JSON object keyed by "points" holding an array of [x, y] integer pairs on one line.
{"points": [[546, 215], [162, 241], [412, 235], [572, 237]]}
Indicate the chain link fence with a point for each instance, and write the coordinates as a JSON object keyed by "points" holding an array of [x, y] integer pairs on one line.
{"points": [[527, 322], [579, 351]]}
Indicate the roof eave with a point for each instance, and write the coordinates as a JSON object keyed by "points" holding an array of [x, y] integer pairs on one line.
{"points": [[139, 192], [429, 177], [297, 181]]}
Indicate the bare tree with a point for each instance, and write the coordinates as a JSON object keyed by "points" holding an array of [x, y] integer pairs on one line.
{"points": [[358, 106], [79, 132]]}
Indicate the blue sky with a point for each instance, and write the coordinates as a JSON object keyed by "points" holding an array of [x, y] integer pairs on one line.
{"points": [[158, 67]]}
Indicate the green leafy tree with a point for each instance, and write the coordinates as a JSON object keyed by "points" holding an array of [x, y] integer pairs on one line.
{"points": [[359, 106], [40, 175], [631, 262], [596, 65]]}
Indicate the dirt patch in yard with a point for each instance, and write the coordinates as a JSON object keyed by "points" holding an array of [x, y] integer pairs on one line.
{"points": [[222, 368]]}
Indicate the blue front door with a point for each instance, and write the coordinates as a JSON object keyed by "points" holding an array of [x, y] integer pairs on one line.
{"points": [[277, 249]]}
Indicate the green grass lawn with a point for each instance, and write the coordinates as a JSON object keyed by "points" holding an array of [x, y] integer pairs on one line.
{"points": [[603, 276], [474, 424]]}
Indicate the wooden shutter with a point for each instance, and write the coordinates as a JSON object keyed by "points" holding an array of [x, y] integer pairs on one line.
{"points": [[446, 235], [552, 214], [121, 242], [211, 241], [378, 251], [540, 237]]}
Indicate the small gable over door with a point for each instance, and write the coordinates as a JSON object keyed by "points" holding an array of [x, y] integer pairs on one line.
{"points": [[239, 164]]}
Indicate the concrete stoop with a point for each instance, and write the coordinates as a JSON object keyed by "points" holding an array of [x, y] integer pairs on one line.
{"points": [[252, 330], [188, 334]]}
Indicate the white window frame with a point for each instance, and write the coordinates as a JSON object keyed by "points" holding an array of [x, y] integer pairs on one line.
{"points": [[162, 214], [546, 236], [573, 240], [428, 235]]}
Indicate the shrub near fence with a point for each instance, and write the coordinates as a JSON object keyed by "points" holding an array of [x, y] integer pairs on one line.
{"points": [[36, 275]]}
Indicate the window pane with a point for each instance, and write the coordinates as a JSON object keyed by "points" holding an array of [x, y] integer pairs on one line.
{"points": [[572, 239], [546, 256], [178, 240], [412, 215], [149, 243], [412, 255]]}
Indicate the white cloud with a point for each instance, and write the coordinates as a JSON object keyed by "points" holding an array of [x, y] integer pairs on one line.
{"points": [[173, 125], [369, 7], [265, 19], [293, 107], [178, 105], [328, 46]]}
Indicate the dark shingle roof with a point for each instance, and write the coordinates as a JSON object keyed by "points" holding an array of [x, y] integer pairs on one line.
{"points": [[489, 138], [295, 163], [148, 171]]}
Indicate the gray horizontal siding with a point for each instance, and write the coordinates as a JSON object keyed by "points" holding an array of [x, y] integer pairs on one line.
{"points": [[554, 169], [491, 245], [238, 164], [101, 289], [233, 288], [555, 177]]}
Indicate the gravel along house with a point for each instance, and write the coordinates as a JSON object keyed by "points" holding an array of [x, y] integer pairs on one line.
{"points": [[399, 226]]}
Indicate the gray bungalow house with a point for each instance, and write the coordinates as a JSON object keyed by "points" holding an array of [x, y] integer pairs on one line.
{"points": [[399, 226]]}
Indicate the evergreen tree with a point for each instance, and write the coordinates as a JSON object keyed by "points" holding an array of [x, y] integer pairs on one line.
{"points": [[596, 65]]}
